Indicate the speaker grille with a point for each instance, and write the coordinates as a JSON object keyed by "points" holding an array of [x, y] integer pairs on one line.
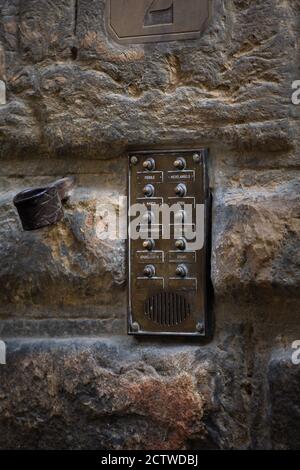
{"points": [[167, 308]]}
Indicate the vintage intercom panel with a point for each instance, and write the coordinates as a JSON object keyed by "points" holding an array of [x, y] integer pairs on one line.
{"points": [[168, 273]]}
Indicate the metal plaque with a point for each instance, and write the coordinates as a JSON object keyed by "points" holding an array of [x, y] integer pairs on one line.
{"points": [[140, 21], [168, 272]]}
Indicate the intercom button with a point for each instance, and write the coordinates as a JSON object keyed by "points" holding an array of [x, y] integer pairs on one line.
{"points": [[149, 270], [180, 190], [180, 163], [181, 270], [148, 190], [149, 164], [180, 244], [149, 244]]}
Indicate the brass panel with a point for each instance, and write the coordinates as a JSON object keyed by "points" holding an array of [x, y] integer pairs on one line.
{"points": [[178, 274], [141, 21]]}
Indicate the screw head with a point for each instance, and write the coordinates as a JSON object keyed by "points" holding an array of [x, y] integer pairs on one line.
{"points": [[134, 160], [197, 158], [135, 327], [200, 327]]}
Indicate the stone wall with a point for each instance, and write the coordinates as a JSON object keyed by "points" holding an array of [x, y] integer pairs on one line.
{"points": [[76, 101]]}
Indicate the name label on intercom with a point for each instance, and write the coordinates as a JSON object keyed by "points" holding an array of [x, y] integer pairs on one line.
{"points": [[168, 231]]}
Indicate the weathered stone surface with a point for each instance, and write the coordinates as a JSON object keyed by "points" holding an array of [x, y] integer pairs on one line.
{"points": [[124, 397], [284, 380], [119, 393], [233, 84], [45, 29], [75, 101], [49, 272], [257, 234]]}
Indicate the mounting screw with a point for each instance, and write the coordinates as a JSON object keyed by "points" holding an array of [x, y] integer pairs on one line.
{"points": [[135, 327], [197, 158], [200, 327], [134, 160]]}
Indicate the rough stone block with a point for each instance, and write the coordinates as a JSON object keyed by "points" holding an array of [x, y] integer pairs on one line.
{"points": [[49, 272], [284, 389], [230, 86], [46, 29], [256, 235], [125, 397]]}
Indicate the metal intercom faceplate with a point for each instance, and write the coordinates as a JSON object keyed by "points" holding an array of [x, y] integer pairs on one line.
{"points": [[167, 261]]}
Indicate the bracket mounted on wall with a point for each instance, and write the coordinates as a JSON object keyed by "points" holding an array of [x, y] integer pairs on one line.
{"points": [[43, 206]]}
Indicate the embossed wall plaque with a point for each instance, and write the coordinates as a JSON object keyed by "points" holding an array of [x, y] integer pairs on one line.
{"points": [[139, 21]]}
